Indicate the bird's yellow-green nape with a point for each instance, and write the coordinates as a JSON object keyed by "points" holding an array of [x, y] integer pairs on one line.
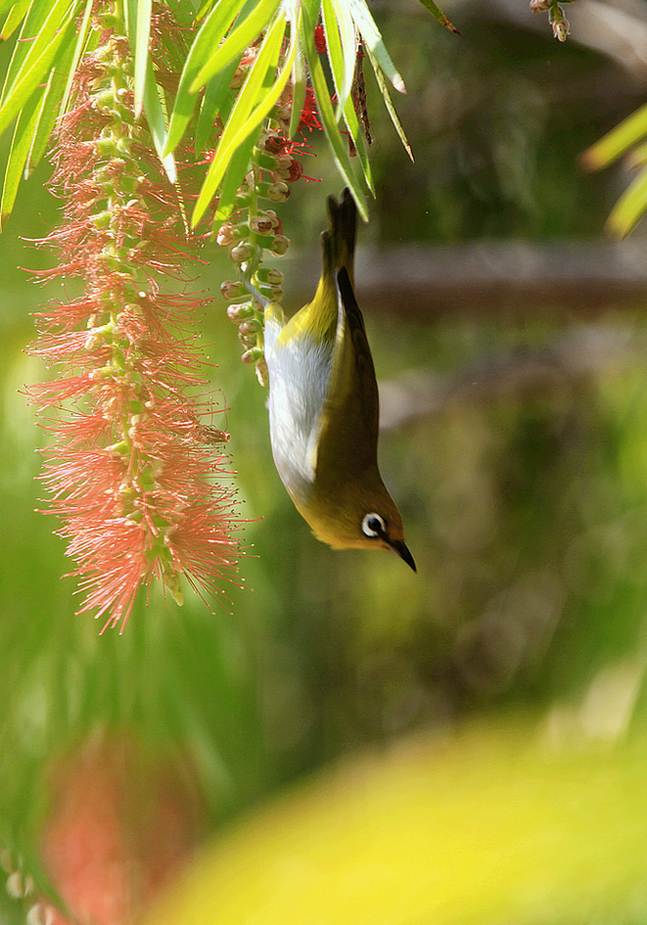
{"points": [[323, 405]]}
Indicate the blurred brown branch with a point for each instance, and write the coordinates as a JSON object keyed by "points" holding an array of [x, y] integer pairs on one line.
{"points": [[562, 281], [525, 373]]}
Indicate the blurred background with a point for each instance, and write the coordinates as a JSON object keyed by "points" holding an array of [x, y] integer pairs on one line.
{"points": [[509, 340]]}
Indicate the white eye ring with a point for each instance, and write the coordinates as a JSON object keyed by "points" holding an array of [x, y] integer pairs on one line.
{"points": [[373, 525]]}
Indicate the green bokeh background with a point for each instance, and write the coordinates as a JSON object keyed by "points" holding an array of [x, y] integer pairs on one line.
{"points": [[526, 510]]}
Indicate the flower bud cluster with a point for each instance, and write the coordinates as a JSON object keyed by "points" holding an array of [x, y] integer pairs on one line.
{"points": [[254, 231], [556, 16]]}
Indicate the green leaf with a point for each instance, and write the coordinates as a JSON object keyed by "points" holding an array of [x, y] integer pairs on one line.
{"points": [[38, 28], [234, 45], [138, 27], [53, 101], [617, 141], [209, 36], [322, 96], [238, 167], [631, 206], [14, 17], [342, 51], [440, 16], [157, 124], [356, 133], [218, 100], [299, 85], [244, 117], [20, 145], [36, 63], [78, 50], [384, 90], [374, 42], [183, 12]]}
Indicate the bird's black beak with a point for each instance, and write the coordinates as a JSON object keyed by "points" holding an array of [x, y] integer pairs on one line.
{"points": [[402, 550]]}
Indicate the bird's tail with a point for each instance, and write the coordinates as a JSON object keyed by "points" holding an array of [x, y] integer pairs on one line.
{"points": [[338, 243]]}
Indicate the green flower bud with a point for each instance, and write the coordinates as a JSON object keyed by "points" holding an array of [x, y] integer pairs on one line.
{"points": [[279, 245], [238, 313]]}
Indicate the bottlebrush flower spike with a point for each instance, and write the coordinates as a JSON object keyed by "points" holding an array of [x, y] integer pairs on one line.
{"points": [[130, 466]]}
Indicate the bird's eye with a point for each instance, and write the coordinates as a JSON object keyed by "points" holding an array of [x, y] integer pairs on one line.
{"points": [[373, 525]]}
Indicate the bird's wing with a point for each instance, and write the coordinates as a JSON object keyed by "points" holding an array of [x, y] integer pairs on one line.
{"points": [[348, 425]]}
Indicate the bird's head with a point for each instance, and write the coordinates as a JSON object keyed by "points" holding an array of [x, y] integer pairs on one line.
{"points": [[361, 515]]}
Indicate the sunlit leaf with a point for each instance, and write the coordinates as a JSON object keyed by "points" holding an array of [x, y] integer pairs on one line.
{"points": [[631, 206], [217, 103], [374, 42], [15, 14], [440, 16], [617, 141], [384, 90], [252, 105], [209, 36], [299, 86], [20, 144], [42, 24], [342, 51], [241, 37], [36, 63], [238, 166], [81, 40], [356, 133], [489, 823], [157, 124], [139, 26], [324, 105]]}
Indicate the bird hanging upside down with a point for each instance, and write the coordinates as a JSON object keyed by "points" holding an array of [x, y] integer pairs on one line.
{"points": [[323, 405]]}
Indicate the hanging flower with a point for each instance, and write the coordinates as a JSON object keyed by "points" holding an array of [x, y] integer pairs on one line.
{"points": [[130, 466]]}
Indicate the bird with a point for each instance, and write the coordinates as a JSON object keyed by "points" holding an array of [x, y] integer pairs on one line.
{"points": [[323, 404]]}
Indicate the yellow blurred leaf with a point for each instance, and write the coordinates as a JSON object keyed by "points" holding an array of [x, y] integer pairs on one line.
{"points": [[491, 824]]}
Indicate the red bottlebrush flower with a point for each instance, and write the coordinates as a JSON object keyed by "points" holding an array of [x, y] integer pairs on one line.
{"points": [[132, 476], [309, 116], [320, 40]]}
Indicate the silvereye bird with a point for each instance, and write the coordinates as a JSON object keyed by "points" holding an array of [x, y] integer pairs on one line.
{"points": [[323, 405]]}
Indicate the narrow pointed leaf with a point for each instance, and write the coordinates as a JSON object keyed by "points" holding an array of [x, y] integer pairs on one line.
{"points": [[299, 84], [356, 133], [15, 14], [40, 36], [234, 45], [374, 41], [78, 50], [33, 70], [138, 26], [217, 102], [55, 101], [238, 167], [342, 48], [617, 141], [244, 116], [157, 124], [384, 90], [209, 36], [322, 96], [440, 16], [631, 206], [17, 158]]}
